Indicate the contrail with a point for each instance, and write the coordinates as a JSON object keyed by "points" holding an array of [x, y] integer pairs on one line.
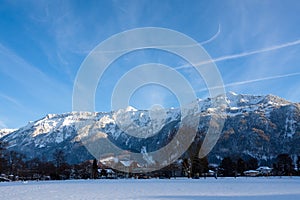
{"points": [[10, 99], [229, 57], [262, 79], [166, 46], [213, 37], [253, 81]]}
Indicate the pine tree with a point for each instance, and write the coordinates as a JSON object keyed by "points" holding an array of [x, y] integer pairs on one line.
{"points": [[103, 172], [59, 162], [298, 165], [227, 167], [252, 164], [186, 168], [298, 161], [95, 169], [240, 166], [284, 164], [3, 160], [196, 167]]}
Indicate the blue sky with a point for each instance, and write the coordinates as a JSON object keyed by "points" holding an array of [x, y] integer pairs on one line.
{"points": [[255, 44]]}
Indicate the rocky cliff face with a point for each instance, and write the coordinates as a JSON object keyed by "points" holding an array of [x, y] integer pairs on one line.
{"points": [[272, 128], [257, 126]]}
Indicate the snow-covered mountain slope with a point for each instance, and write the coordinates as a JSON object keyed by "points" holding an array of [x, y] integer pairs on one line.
{"points": [[61, 131], [6, 131], [260, 126]]}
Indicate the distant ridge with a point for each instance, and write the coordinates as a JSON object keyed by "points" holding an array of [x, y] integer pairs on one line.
{"points": [[260, 126]]}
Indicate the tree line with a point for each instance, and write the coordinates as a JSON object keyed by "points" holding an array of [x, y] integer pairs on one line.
{"points": [[16, 165], [232, 166]]}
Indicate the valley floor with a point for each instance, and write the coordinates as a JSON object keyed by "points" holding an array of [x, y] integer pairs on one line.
{"points": [[272, 188]]}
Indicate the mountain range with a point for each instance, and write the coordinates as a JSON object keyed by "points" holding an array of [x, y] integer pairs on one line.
{"points": [[259, 126]]}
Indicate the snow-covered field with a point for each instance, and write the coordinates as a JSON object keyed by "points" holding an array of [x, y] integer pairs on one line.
{"points": [[164, 189]]}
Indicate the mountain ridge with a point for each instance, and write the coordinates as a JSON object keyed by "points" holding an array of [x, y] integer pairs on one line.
{"points": [[260, 126]]}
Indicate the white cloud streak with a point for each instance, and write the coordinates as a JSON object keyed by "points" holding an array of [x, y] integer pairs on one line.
{"points": [[244, 54], [30, 79], [118, 50], [10, 99], [262, 79], [213, 37], [254, 80]]}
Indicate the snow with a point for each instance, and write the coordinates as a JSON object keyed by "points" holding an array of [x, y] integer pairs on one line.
{"points": [[105, 120], [252, 171], [232, 93], [290, 124], [126, 163], [54, 129], [6, 131], [261, 188], [141, 123], [130, 108]]}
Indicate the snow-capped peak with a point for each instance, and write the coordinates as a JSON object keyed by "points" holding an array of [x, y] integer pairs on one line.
{"points": [[231, 93], [130, 108], [128, 126]]}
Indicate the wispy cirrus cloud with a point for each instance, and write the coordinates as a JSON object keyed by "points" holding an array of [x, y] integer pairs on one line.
{"points": [[29, 80], [11, 100], [254, 80], [244, 54], [213, 37], [20, 70]]}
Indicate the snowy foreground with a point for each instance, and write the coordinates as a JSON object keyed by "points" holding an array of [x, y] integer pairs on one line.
{"points": [[164, 189]]}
